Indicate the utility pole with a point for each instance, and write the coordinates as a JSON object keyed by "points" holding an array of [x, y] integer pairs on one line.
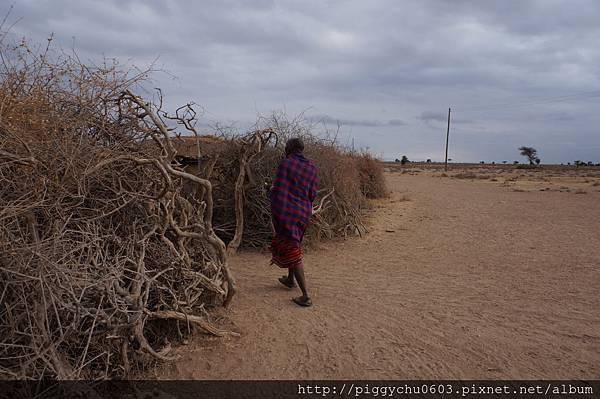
{"points": [[447, 136]]}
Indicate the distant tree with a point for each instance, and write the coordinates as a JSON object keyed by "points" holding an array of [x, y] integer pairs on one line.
{"points": [[569, 163], [493, 162], [530, 153], [590, 163], [516, 162], [537, 161], [504, 161], [482, 162], [404, 160], [577, 163], [449, 159], [429, 161], [397, 160]]}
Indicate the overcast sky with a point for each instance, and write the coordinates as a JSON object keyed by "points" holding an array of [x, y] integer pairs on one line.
{"points": [[514, 72]]}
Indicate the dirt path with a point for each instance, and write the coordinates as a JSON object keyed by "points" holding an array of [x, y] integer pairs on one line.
{"points": [[475, 281]]}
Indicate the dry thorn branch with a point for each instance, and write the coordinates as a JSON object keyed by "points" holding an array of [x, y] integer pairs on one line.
{"points": [[102, 250]]}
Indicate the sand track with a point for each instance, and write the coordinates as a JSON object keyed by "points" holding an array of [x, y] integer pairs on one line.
{"points": [[475, 281]]}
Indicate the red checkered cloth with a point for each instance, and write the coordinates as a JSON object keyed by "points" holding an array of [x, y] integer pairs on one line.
{"points": [[286, 253], [292, 195]]}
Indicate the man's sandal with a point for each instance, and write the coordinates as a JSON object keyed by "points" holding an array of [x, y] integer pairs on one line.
{"points": [[283, 280], [302, 302]]}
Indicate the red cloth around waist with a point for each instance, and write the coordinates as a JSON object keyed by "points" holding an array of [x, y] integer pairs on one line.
{"points": [[285, 253]]}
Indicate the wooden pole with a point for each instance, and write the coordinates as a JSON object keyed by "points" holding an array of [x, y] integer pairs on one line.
{"points": [[447, 136]]}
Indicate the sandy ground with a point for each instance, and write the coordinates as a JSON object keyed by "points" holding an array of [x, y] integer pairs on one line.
{"points": [[459, 278]]}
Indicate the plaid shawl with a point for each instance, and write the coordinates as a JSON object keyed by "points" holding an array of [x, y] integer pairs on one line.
{"points": [[294, 190]]}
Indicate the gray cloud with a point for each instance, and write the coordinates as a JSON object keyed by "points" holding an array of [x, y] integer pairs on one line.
{"points": [[370, 65], [429, 116], [329, 120], [434, 116]]}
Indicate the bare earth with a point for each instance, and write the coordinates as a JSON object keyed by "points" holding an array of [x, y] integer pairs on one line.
{"points": [[458, 278]]}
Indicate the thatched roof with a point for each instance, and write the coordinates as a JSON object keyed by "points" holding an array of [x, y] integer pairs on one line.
{"points": [[187, 146]]}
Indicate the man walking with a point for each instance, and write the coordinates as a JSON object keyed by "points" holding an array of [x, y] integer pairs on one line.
{"points": [[292, 195]]}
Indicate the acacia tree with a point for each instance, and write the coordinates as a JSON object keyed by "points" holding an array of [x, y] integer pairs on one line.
{"points": [[530, 153]]}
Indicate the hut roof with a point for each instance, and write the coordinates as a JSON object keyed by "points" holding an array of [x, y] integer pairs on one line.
{"points": [[187, 146]]}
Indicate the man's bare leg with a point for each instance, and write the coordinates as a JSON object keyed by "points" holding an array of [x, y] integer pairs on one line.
{"points": [[303, 300], [289, 280]]}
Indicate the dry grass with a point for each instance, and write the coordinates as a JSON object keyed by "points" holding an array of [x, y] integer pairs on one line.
{"points": [[103, 258], [372, 180], [346, 181], [465, 175]]}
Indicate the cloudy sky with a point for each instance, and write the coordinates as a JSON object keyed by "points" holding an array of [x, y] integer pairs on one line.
{"points": [[522, 72]]}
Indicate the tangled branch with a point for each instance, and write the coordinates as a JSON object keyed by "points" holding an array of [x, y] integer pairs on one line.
{"points": [[105, 259]]}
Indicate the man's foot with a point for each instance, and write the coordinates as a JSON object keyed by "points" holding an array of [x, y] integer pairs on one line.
{"points": [[302, 301], [285, 281]]}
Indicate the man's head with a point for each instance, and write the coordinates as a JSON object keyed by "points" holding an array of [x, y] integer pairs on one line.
{"points": [[294, 146]]}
